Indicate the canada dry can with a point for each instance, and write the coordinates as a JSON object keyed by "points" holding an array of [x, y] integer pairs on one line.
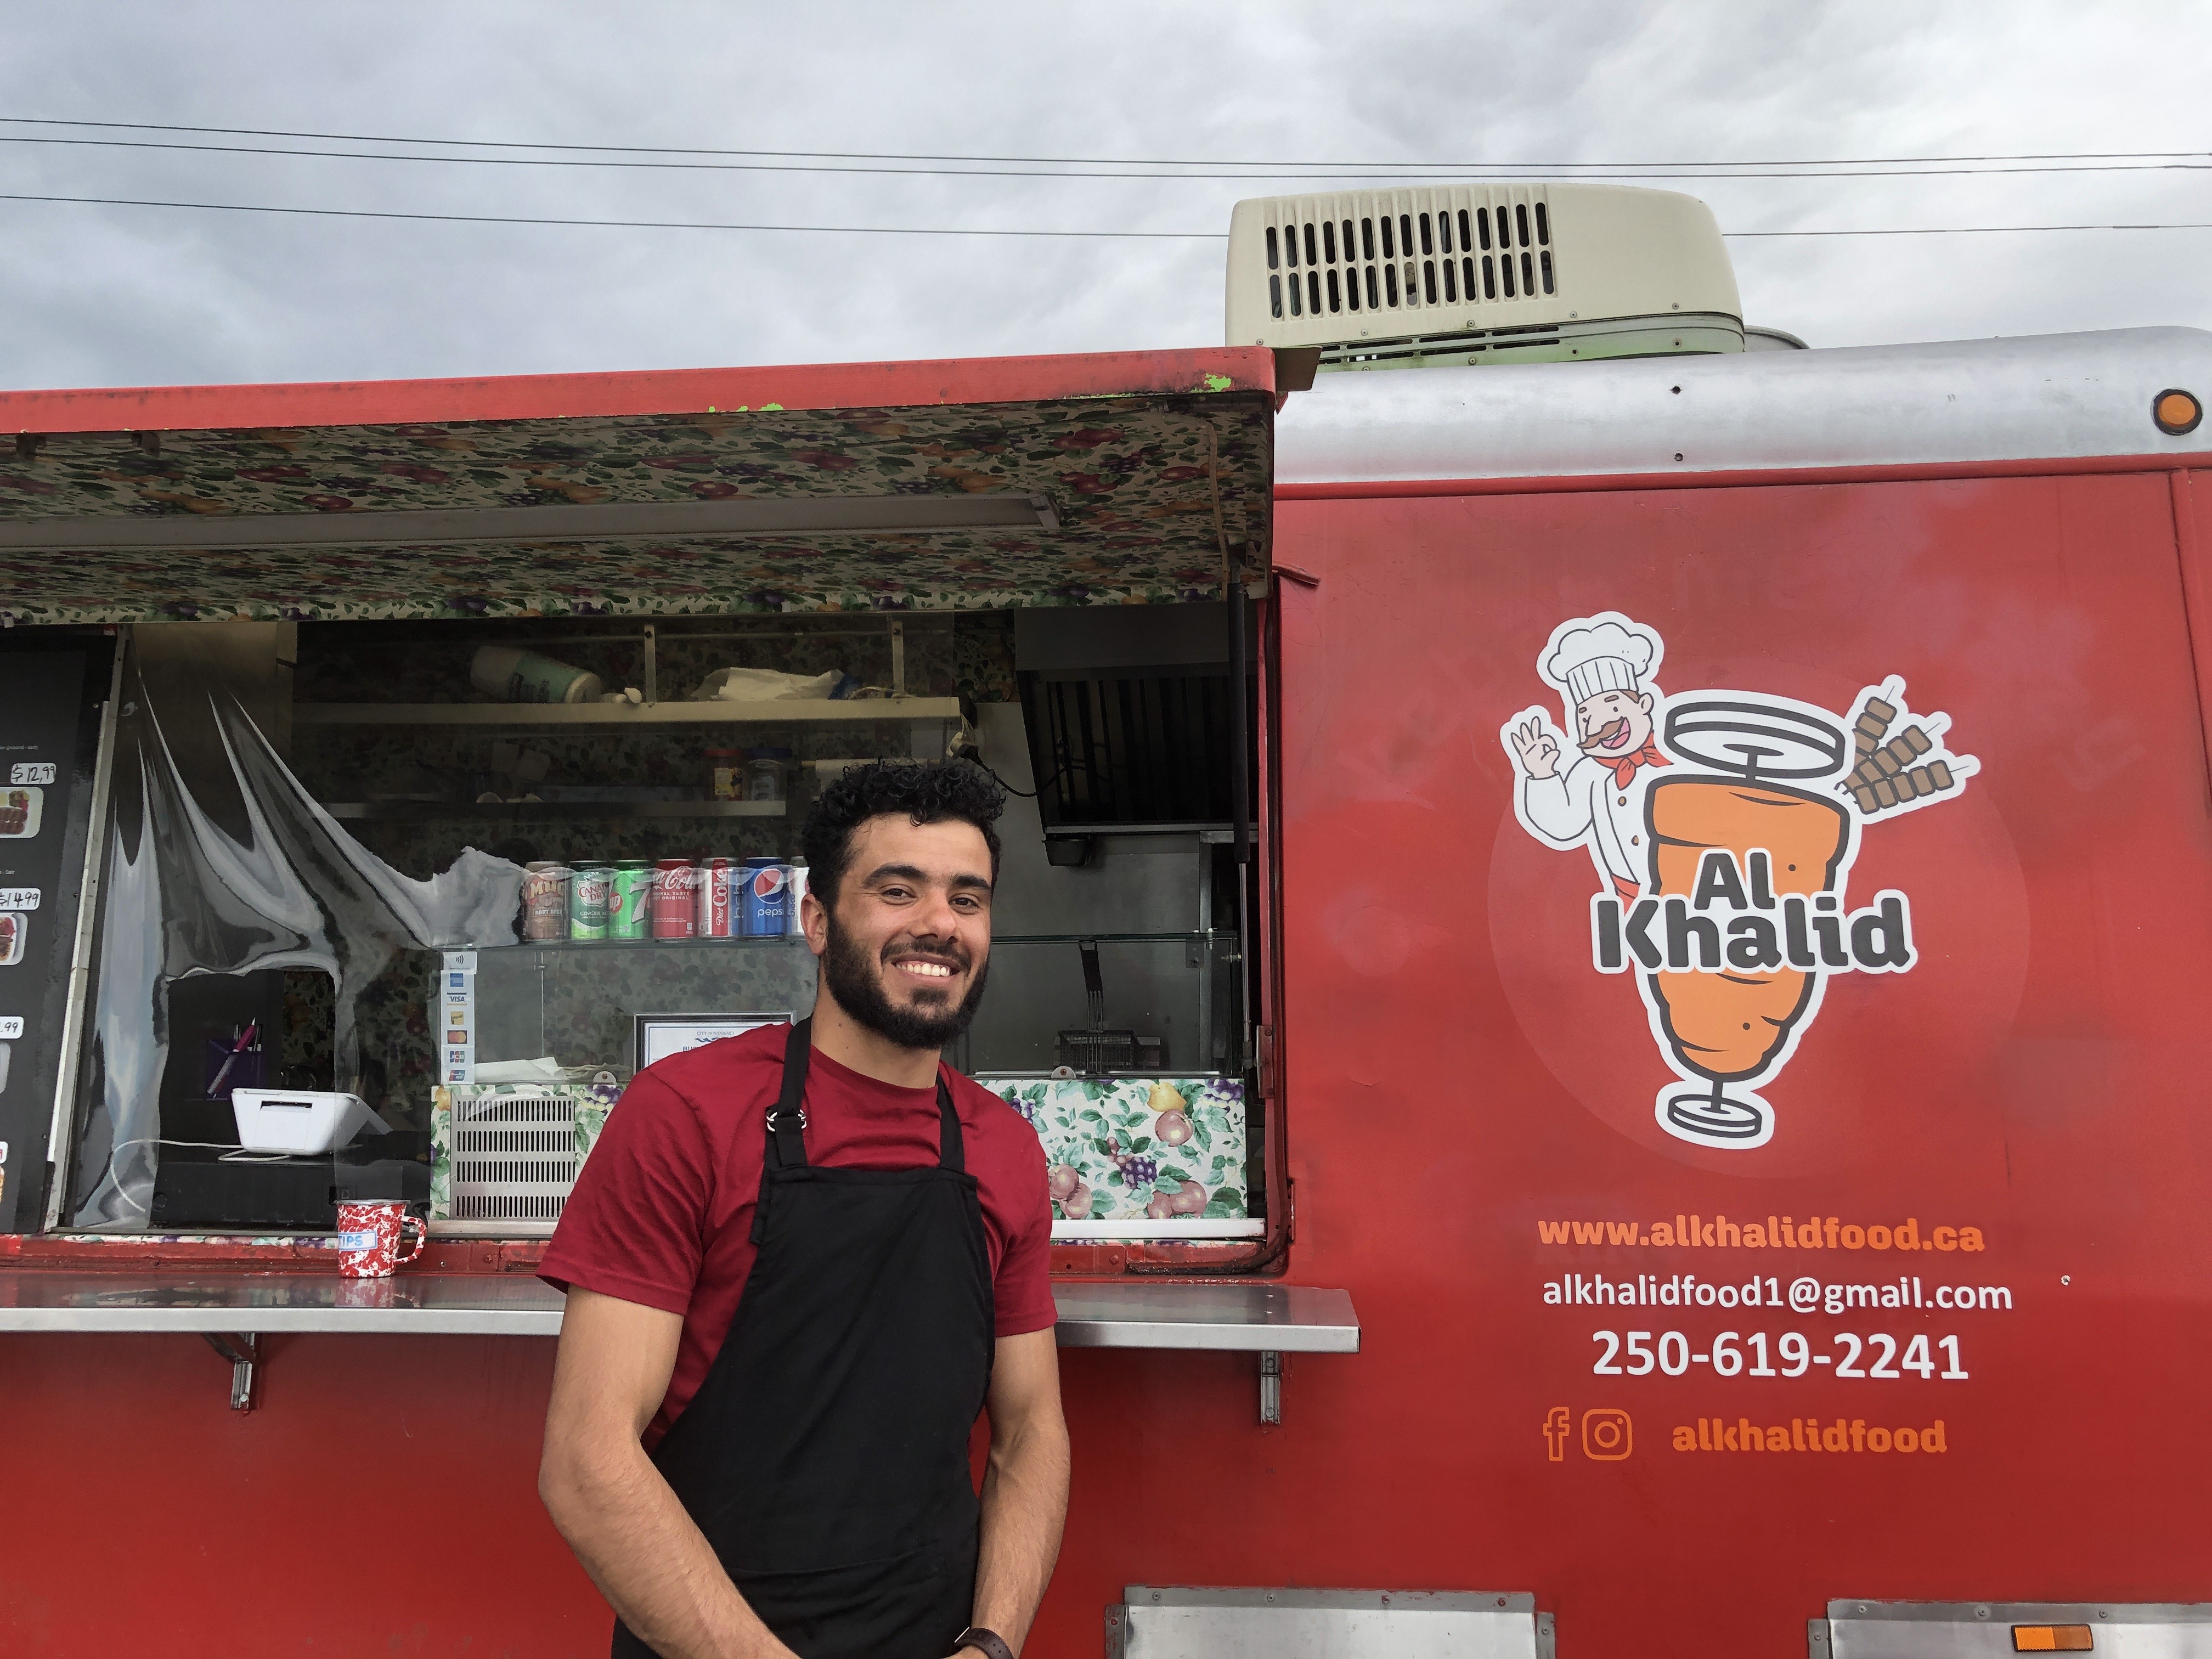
{"points": [[630, 904], [794, 888], [767, 904], [717, 880], [589, 891], [545, 901], [675, 899]]}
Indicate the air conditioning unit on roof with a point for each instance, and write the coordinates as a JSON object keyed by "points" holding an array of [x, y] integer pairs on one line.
{"points": [[1477, 273]]}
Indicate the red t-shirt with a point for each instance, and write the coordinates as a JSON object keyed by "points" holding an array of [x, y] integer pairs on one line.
{"points": [[663, 1210]]}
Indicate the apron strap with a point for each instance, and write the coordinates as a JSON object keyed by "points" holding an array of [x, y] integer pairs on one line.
{"points": [[786, 1120], [952, 1152]]}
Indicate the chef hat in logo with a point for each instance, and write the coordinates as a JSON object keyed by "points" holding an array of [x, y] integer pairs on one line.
{"points": [[1600, 653]]}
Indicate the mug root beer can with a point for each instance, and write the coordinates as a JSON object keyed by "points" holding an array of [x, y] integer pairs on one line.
{"points": [[545, 901]]}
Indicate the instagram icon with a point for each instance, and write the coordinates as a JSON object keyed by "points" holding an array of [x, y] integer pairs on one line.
{"points": [[1607, 1435]]}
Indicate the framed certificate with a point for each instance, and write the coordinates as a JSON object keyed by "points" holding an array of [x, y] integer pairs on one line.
{"points": [[660, 1036]]}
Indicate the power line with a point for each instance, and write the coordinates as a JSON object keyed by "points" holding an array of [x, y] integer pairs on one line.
{"points": [[613, 224], [1392, 167], [1960, 230], [932, 230], [1421, 171]]}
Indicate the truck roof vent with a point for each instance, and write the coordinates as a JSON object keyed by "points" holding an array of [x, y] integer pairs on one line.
{"points": [[1471, 273]]}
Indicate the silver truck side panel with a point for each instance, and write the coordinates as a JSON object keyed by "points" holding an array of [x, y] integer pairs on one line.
{"points": [[1182, 1622], [1983, 1630], [2047, 397]]}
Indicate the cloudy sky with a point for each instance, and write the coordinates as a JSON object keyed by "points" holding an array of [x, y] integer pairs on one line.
{"points": [[123, 295]]}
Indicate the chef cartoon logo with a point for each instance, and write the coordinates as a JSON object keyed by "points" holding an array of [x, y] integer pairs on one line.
{"points": [[1723, 825]]}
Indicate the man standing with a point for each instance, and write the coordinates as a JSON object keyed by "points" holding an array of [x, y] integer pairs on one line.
{"points": [[799, 1263]]}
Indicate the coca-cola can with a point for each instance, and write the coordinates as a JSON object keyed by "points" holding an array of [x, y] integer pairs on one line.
{"points": [[675, 899]]}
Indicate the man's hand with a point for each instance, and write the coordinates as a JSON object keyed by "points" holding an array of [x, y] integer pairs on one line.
{"points": [[1538, 749], [1025, 1487], [627, 1527]]}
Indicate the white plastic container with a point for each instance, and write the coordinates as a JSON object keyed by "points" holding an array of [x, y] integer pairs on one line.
{"points": [[514, 675], [300, 1122]]}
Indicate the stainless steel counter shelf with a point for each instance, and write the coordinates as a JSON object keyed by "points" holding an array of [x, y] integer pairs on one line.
{"points": [[233, 1310]]}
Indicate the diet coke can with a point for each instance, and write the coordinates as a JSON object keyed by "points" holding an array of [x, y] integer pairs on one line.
{"points": [[794, 890], [767, 899], [675, 899], [715, 881]]}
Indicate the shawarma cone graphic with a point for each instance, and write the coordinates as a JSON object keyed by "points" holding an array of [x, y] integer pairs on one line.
{"points": [[1729, 1026]]}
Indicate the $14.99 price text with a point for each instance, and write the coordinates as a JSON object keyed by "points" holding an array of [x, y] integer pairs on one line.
{"points": [[1733, 1352]]}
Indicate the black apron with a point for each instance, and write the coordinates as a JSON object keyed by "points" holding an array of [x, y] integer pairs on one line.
{"points": [[825, 1456]]}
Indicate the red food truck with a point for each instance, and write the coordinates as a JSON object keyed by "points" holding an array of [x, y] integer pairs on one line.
{"points": [[1604, 920]]}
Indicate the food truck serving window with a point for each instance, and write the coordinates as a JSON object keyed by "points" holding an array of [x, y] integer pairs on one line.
{"points": [[396, 909]]}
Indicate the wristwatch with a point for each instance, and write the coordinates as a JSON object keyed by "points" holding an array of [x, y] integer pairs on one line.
{"points": [[990, 1641]]}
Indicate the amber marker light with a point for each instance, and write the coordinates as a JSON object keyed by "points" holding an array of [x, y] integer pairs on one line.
{"points": [[2056, 1639], [2175, 412]]}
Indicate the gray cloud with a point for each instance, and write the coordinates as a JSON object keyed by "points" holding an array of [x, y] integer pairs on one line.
{"points": [[111, 295]]}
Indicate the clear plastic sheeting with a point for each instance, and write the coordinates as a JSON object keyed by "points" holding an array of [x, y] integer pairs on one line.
{"points": [[218, 862]]}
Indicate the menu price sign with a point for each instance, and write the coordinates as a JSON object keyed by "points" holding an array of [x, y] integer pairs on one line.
{"points": [[49, 695]]}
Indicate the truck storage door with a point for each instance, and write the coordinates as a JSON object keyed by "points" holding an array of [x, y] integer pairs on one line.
{"points": [[1744, 1037]]}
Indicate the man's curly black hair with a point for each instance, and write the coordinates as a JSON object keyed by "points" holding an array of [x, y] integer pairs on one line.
{"points": [[925, 792]]}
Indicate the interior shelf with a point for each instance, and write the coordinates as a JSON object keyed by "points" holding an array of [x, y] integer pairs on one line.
{"points": [[752, 941], [358, 810], [792, 712], [1195, 936]]}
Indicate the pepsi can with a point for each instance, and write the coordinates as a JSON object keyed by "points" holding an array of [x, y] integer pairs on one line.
{"points": [[767, 906]]}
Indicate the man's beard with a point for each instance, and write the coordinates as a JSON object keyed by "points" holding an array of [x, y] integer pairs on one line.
{"points": [[850, 977]]}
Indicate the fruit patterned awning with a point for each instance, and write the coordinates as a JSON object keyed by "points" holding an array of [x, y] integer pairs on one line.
{"points": [[1116, 478]]}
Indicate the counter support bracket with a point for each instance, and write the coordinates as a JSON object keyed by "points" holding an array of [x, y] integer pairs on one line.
{"points": [[1271, 1389], [243, 1350]]}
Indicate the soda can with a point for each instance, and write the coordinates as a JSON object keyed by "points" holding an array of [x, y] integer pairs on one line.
{"points": [[545, 901], [716, 879], [675, 899], [794, 888], [588, 893], [767, 904], [629, 903]]}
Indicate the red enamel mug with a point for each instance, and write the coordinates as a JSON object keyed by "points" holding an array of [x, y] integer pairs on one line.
{"points": [[369, 1232]]}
